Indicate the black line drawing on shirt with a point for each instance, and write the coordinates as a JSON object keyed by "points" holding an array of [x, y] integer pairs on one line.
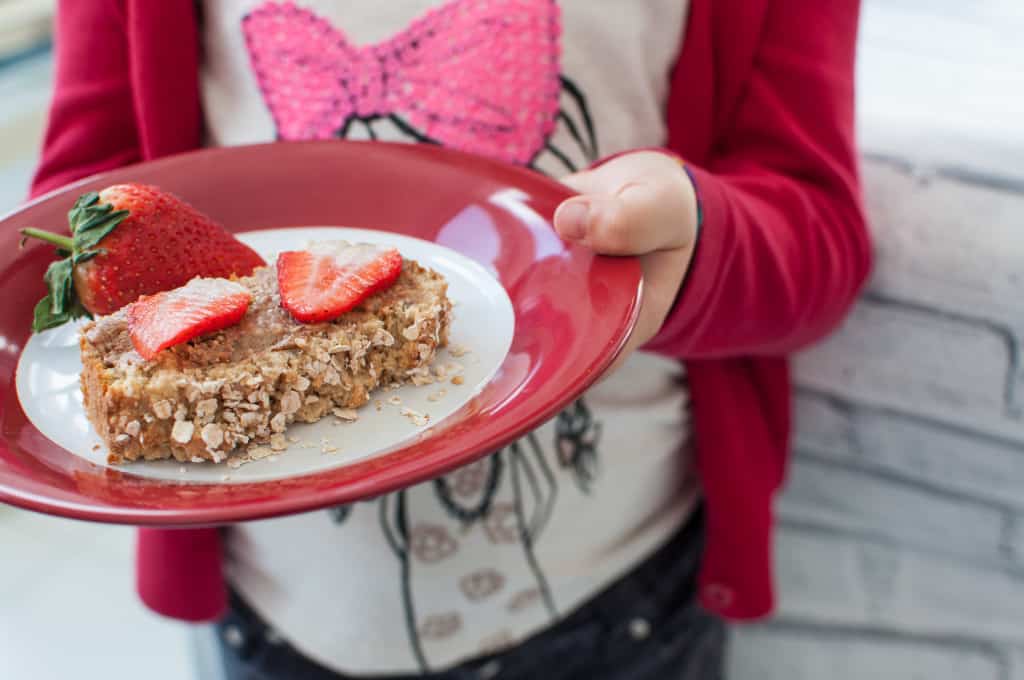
{"points": [[576, 437], [534, 489], [396, 532]]}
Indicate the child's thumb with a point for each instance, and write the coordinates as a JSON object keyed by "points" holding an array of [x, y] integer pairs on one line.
{"points": [[632, 220]]}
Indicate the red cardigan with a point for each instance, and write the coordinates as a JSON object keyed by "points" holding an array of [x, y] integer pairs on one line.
{"points": [[761, 106]]}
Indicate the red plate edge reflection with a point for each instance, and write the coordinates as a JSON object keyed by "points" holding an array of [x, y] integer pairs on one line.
{"points": [[574, 312]]}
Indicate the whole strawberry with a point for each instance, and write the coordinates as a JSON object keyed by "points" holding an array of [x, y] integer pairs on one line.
{"points": [[131, 240]]}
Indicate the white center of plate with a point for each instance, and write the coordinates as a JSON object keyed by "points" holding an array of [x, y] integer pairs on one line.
{"points": [[48, 370]]}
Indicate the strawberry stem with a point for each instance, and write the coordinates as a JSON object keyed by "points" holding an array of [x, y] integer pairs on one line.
{"points": [[64, 242]]}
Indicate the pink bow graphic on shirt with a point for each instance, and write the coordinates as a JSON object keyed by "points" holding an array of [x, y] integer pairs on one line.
{"points": [[477, 75]]}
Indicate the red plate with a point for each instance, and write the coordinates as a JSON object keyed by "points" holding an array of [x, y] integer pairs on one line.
{"points": [[573, 314]]}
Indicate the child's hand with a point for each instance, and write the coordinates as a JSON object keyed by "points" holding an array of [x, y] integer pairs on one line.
{"points": [[641, 204]]}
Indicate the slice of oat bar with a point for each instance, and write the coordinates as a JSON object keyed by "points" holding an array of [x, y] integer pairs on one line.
{"points": [[241, 386]]}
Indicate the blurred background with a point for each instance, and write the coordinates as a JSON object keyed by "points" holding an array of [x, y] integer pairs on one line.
{"points": [[901, 550]]}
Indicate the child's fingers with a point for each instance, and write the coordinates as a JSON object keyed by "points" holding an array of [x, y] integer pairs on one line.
{"points": [[635, 204], [636, 218]]}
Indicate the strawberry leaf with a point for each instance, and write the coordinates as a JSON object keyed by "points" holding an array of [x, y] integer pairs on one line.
{"points": [[44, 318], [90, 222], [84, 202], [85, 257], [61, 304], [58, 280], [89, 235]]}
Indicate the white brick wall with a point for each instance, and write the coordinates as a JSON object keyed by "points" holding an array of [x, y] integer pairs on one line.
{"points": [[1015, 669], [950, 460], [804, 654], [826, 496], [1015, 540], [929, 257], [828, 579], [901, 548], [919, 360]]}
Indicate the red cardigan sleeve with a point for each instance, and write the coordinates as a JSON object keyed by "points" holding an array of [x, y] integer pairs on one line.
{"points": [[784, 247], [91, 126]]}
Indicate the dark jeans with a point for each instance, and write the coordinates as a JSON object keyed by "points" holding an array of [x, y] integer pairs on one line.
{"points": [[646, 626]]}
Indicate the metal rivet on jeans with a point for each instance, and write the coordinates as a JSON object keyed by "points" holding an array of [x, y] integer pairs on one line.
{"points": [[233, 636], [639, 629], [489, 670]]}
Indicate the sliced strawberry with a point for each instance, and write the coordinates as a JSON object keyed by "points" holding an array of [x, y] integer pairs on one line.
{"points": [[331, 278], [156, 322]]}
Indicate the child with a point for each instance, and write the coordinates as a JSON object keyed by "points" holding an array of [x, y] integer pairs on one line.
{"points": [[574, 552]]}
